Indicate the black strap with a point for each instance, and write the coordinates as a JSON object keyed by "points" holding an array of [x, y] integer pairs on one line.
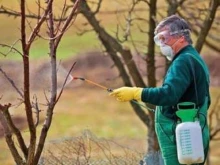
{"points": [[205, 71], [194, 79]]}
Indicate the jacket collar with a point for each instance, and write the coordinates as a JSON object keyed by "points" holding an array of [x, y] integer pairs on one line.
{"points": [[185, 49]]}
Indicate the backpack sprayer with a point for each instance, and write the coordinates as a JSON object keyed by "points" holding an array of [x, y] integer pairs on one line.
{"points": [[189, 134], [189, 139], [110, 90]]}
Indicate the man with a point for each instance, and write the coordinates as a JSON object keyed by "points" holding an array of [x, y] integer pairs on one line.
{"points": [[187, 80]]}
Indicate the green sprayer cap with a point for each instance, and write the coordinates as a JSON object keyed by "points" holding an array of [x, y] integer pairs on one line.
{"points": [[186, 111]]}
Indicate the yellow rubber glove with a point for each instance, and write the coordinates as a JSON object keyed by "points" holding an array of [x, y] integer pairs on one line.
{"points": [[127, 93]]}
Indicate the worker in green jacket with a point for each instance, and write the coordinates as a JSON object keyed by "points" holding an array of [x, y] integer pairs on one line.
{"points": [[187, 80]]}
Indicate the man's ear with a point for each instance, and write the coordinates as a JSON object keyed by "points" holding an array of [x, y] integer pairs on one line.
{"points": [[182, 39]]}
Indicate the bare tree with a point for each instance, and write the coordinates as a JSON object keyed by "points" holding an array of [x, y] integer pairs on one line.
{"points": [[32, 151]]}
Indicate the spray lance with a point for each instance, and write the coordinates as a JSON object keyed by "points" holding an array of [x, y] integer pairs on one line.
{"points": [[69, 78], [110, 90]]}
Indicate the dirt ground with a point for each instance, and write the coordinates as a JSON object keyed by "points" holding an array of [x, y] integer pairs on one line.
{"points": [[92, 65]]}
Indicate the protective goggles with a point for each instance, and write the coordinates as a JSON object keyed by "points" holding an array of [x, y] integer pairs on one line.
{"points": [[163, 37]]}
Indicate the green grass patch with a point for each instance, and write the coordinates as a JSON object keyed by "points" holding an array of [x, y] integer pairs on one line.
{"points": [[94, 114], [70, 45]]}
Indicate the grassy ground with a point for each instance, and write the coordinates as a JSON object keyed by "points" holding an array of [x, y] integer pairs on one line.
{"points": [[90, 108], [87, 108]]}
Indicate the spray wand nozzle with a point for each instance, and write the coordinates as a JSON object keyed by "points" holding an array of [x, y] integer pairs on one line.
{"points": [[75, 78]]}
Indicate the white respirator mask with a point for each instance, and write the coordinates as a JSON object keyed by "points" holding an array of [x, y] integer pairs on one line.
{"points": [[167, 51]]}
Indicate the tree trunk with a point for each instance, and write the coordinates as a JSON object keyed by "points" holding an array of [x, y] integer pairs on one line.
{"points": [[151, 76], [113, 46], [213, 6]]}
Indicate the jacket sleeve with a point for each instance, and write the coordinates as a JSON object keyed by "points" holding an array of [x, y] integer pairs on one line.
{"points": [[177, 80]]}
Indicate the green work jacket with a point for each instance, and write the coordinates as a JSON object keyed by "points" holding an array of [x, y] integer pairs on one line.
{"points": [[187, 79]]}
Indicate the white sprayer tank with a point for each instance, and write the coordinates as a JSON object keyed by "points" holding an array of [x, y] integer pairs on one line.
{"points": [[189, 135], [189, 143]]}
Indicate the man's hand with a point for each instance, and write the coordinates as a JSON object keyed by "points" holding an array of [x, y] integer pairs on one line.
{"points": [[127, 93]]}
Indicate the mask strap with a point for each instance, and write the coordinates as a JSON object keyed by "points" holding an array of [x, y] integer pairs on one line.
{"points": [[179, 31]]}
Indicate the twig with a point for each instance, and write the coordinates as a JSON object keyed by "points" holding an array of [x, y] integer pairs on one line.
{"points": [[47, 38], [10, 48], [65, 81], [9, 12], [38, 26], [82, 32], [67, 22], [62, 15], [45, 95], [98, 7], [12, 83], [36, 107]]}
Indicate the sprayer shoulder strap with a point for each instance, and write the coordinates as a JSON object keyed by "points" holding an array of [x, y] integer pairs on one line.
{"points": [[194, 78], [203, 66]]}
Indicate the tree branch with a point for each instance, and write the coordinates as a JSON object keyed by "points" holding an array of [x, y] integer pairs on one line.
{"points": [[8, 135], [9, 12], [207, 24], [37, 110], [65, 81], [10, 50], [197, 32], [38, 25], [15, 130], [67, 22], [28, 107], [11, 82]]}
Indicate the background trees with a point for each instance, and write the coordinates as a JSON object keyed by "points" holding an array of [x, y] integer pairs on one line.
{"points": [[201, 16], [131, 37]]}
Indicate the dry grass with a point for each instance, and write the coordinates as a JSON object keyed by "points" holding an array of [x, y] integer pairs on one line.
{"points": [[89, 149], [93, 109], [83, 108]]}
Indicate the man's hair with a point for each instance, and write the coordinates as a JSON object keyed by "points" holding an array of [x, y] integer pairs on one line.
{"points": [[177, 27]]}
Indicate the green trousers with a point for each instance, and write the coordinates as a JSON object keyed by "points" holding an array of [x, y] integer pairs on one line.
{"points": [[165, 130]]}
